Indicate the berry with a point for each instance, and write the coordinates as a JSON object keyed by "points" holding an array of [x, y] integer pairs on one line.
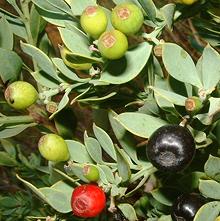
{"points": [[127, 18], [112, 44], [187, 2], [94, 21], [91, 173], [171, 148], [88, 200], [20, 95], [186, 206], [53, 147]]}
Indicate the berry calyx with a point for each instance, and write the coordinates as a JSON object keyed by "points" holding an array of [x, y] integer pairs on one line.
{"points": [[193, 104], [21, 95], [53, 147], [88, 200], [186, 206], [113, 44], [171, 148], [127, 18], [94, 21], [91, 173]]}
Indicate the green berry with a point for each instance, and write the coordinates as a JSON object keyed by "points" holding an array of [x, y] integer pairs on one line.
{"points": [[91, 173], [94, 21], [127, 18], [113, 44], [53, 147], [20, 95]]}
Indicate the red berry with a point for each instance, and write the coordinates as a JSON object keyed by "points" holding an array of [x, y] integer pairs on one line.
{"points": [[88, 200]]}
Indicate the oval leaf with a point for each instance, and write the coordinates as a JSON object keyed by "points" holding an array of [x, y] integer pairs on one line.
{"points": [[212, 168], [210, 188], [128, 211]]}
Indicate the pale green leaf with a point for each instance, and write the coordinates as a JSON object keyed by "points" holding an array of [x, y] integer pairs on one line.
{"points": [[128, 211], [212, 168], [210, 189], [6, 35]]}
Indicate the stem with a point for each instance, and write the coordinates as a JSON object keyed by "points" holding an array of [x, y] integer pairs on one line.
{"points": [[16, 119]]}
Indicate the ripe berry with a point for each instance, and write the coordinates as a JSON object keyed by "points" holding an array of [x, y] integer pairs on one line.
{"points": [[20, 95], [94, 21], [88, 200], [53, 147], [127, 18], [112, 44], [186, 206], [171, 148]]}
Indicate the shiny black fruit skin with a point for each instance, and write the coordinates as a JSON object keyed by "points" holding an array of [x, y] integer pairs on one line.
{"points": [[186, 206], [171, 148]]}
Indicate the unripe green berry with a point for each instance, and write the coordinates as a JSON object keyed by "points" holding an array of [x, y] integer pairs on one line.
{"points": [[53, 147], [113, 44], [91, 173], [94, 21], [193, 104], [20, 95], [127, 18]]}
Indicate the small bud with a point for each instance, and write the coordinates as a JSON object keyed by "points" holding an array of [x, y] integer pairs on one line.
{"points": [[158, 50], [91, 172], [193, 104], [51, 107]]}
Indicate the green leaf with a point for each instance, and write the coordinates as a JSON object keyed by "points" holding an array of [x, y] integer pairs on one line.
{"points": [[123, 136], [67, 72], [128, 211], [183, 68], [142, 125], [123, 165], [61, 5], [208, 212], [42, 60], [210, 189], [7, 160], [210, 76], [37, 24], [94, 149], [108, 173], [78, 152], [57, 199], [10, 65], [105, 141], [170, 96], [150, 9], [8, 147], [78, 6], [6, 35], [11, 131], [128, 67], [212, 168], [168, 13]]}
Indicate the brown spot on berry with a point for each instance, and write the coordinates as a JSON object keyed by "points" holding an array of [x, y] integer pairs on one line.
{"points": [[108, 40], [86, 169], [91, 10], [123, 13], [41, 141], [190, 104], [81, 204], [7, 93]]}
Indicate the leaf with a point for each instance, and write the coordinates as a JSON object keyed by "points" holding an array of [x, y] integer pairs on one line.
{"points": [[142, 125], [10, 65], [170, 96], [168, 14], [11, 131], [42, 60], [8, 147], [183, 68], [128, 67], [212, 168], [57, 199], [210, 76], [210, 189], [6, 35], [7, 160], [108, 173], [78, 6], [67, 72], [37, 24], [128, 211], [33, 188], [123, 136], [123, 166], [94, 149], [61, 5], [150, 9], [208, 212], [105, 141], [78, 152]]}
